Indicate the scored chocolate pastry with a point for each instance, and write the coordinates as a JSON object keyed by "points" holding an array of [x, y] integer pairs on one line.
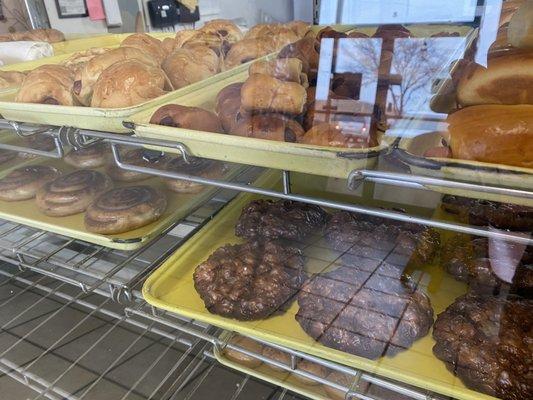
{"points": [[23, 183]]}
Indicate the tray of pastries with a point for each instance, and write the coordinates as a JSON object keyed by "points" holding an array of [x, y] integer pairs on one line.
{"points": [[88, 197], [361, 291], [99, 88]]}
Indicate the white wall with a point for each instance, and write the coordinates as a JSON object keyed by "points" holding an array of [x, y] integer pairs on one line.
{"points": [[73, 25]]}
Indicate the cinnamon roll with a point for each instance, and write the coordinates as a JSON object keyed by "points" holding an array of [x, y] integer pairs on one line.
{"points": [[94, 156], [139, 157], [71, 193], [199, 167], [23, 183], [124, 209]]}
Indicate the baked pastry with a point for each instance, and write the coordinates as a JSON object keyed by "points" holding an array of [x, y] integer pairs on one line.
{"points": [[311, 368], [247, 50], [267, 94], [193, 118], [24, 182], [9, 79], [249, 281], [241, 358], [493, 134], [127, 83], [124, 209], [392, 32], [520, 30], [359, 308], [340, 379], [188, 65], [198, 167], [329, 33], [71, 193], [146, 43], [282, 219], [486, 342], [382, 239], [94, 156], [7, 155], [228, 105], [506, 267], [285, 69], [278, 356], [509, 8], [78, 60], [308, 51], [301, 28], [87, 76], [267, 126], [224, 28], [506, 80], [139, 157], [38, 35], [38, 142], [48, 84], [337, 135]]}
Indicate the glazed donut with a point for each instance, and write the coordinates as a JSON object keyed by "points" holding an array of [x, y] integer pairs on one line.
{"points": [[193, 118], [312, 368], [268, 126], [200, 167], [71, 193], [146, 43], [23, 183], [94, 156], [124, 209], [242, 358], [136, 157], [7, 155], [277, 355]]}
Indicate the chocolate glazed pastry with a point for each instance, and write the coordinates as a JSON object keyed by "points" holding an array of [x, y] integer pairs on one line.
{"points": [[94, 156], [249, 281], [71, 193], [199, 167], [378, 238], [124, 209], [486, 342], [139, 157], [23, 183], [282, 219], [361, 309]]}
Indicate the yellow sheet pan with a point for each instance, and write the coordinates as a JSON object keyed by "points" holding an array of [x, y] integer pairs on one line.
{"points": [[179, 205], [171, 287], [465, 170]]}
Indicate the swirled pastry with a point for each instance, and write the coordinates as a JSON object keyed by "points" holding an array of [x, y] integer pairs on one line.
{"points": [[248, 50], [71, 193], [48, 84], [139, 157], [94, 156], [189, 65], [146, 43], [194, 118], [198, 167], [124, 209], [87, 76], [23, 183], [128, 83], [9, 79]]}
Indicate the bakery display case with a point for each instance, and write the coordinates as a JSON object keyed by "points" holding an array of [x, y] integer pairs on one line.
{"points": [[293, 200]]}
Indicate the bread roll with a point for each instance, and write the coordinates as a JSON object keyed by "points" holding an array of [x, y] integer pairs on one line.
{"points": [[267, 94], [94, 156], [335, 135], [189, 65], [193, 118], [89, 74], [493, 134], [199, 167], [124, 209], [242, 358], [260, 30], [248, 50], [520, 31], [78, 60], [224, 28], [9, 79], [71, 193], [146, 43], [23, 183], [269, 127], [285, 69], [508, 79], [128, 83], [48, 84], [139, 157]]}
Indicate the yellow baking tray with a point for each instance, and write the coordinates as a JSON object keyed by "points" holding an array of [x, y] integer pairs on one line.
{"points": [[171, 287], [179, 205], [410, 151]]}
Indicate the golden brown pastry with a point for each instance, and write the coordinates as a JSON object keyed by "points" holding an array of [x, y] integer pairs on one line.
{"points": [[312, 368], [39, 35], [139, 157], [48, 84], [269, 127], [94, 156], [508, 79], [224, 28], [308, 51], [124, 209], [301, 28], [87, 76], [127, 83], [335, 135], [146, 43], [520, 30], [285, 69], [340, 379], [183, 36], [169, 45], [193, 118], [278, 356], [23, 183], [9, 79], [198, 167], [77, 61], [231, 91], [71, 193], [509, 8], [247, 50], [189, 65], [228, 105], [493, 134], [210, 40], [241, 358], [267, 94]]}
